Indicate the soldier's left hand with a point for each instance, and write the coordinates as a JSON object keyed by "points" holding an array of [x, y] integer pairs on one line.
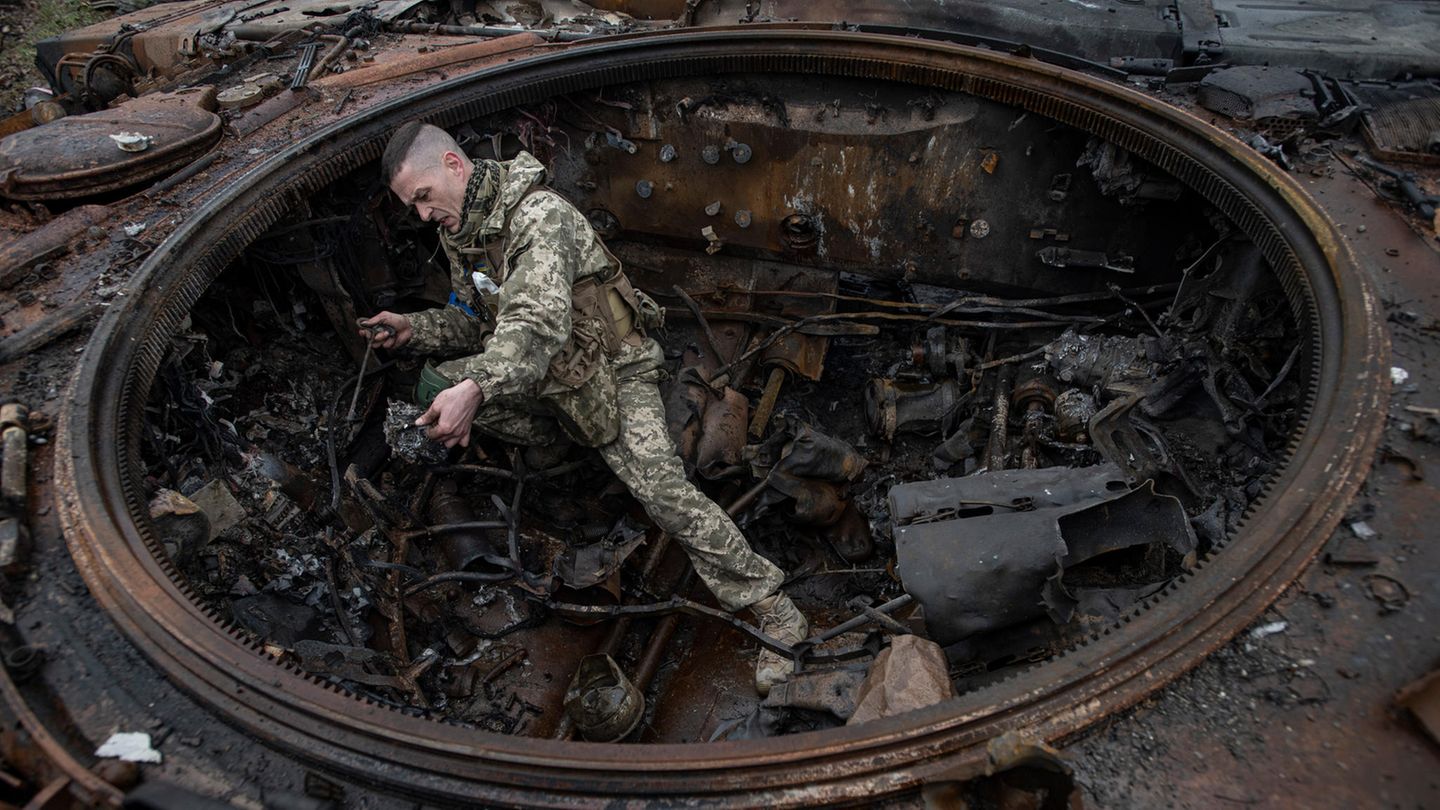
{"points": [[451, 413]]}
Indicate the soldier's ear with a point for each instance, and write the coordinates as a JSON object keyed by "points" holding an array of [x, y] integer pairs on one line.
{"points": [[453, 163]]}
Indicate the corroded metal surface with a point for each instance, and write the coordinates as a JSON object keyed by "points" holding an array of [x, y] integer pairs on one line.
{"points": [[47, 241], [1112, 671], [79, 156]]}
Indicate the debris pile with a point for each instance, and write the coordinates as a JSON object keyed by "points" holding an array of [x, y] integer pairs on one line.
{"points": [[955, 482]]}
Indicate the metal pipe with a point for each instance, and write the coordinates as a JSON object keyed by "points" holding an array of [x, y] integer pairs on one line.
{"points": [[655, 649], [710, 339], [197, 166], [489, 31], [342, 44], [859, 621], [13, 473], [998, 446]]}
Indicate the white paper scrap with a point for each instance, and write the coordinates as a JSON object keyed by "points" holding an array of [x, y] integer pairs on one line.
{"points": [[133, 746], [1269, 629]]}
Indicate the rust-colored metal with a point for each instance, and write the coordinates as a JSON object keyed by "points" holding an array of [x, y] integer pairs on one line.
{"points": [[722, 435], [28, 744], [271, 109], [658, 646], [997, 449], [48, 241], [340, 46], [385, 70], [16, 122], [767, 402], [77, 157]]}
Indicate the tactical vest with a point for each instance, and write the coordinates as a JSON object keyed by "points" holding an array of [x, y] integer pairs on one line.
{"points": [[607, 313]]}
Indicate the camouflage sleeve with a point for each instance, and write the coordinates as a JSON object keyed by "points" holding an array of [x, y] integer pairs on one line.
{"points": [[445, 331], [533, 321]]}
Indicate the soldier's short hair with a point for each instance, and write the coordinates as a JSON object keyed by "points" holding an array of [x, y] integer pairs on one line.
{"points": [[414, 139]]}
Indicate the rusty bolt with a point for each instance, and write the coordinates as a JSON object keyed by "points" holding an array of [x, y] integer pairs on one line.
{"points": [[741, 152], [712, 209], [710, 154], [742, 218], [644, 188], [667, 153], [979, 229]]}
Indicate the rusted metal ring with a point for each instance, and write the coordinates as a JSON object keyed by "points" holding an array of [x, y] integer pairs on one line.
{"points": [[113, 548]]}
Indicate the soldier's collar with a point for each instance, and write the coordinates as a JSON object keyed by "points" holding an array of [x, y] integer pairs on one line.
{"points": [[481, 192], [482, 188]]}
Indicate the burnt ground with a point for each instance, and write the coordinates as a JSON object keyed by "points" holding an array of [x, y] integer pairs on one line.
{"points": [[25, 22], [1304, 717]]}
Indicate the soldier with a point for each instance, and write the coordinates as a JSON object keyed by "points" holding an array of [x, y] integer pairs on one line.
{"points": [[559, 346]]}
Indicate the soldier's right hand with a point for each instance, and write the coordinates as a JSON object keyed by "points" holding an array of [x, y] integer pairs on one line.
{"points": [[387, 330]]}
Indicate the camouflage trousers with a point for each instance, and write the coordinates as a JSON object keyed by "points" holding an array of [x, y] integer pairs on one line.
{"points": [[644, 459]]}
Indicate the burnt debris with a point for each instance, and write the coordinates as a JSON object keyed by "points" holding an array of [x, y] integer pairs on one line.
{"points": [[998, 459], [1016, 487]]}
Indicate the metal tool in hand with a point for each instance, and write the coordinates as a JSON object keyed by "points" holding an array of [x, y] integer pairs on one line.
{"points": [[372, 332]]}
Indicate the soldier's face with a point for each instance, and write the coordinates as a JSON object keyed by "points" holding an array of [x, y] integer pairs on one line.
{"points": [[437, 190]]}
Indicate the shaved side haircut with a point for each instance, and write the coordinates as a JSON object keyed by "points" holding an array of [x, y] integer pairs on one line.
{"points": [[416, 140]]}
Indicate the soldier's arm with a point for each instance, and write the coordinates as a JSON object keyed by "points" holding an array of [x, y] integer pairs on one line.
{"points": [[445, 331], [533, 321]]}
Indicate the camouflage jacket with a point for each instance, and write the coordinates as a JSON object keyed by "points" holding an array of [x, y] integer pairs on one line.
{"points": [[531, 266]]}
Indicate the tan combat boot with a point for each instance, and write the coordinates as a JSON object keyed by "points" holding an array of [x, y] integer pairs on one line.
{"points": [[781, 620]]}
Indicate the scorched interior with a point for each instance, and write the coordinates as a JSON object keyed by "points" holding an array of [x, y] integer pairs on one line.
{"points": [[1047, 220], [947, 284]]}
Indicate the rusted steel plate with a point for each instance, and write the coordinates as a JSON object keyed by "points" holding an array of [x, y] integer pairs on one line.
{"points": [[50, 239], [77, 157], [404, 65]]}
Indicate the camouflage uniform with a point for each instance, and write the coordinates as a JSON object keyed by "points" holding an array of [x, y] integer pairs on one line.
{"points": [[533, 246]]}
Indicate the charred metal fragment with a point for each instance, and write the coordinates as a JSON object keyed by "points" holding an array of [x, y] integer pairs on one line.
{"points": [[989, 551]]}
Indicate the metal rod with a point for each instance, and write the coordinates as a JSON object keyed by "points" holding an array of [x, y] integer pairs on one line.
{"points": [[1004, 304], [341, 44], [459, 576], [302, 69], [1014, 358], [198, 165], [489, 31], [466, 526], [510, 475], [659, 641], [859, 621], [766, 407], [705, 329], [675, 604], [998, 447], [360, 380]]}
